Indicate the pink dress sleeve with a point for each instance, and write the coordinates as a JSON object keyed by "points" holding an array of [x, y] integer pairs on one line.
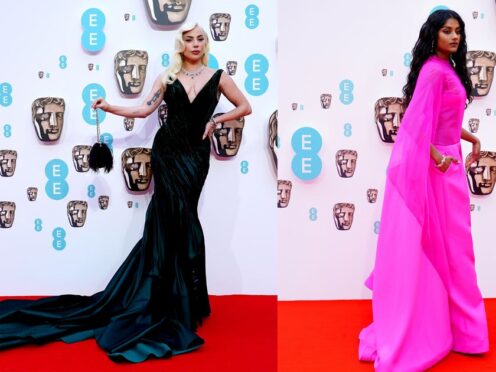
{"points": [[409, 162], [407, 291], [425, 297]]}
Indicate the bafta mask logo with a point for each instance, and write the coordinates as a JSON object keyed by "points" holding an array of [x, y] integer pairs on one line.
{"points": [[103, 201], [480, 66], [8, 160], [128, 124], [48, 118], [284, 188], [294, 106], [372, 195], [41, 74], [273, 136], [126, 16], [136, 168], [76, 212], [220, 24], [80, 157], [7, 214], [91, 66], [384, 72], [32, 193], [130, 70], [343, 215], [227, 137], [475, 14], [388, 115], [162, 114], [481, 175], [325, 100], [346, 163], [168, 12], [232, 67], [473, 125], [488, 111], [129, 204]]}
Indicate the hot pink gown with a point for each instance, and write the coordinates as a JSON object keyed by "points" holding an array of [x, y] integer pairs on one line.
{"points": [[426, 301]]}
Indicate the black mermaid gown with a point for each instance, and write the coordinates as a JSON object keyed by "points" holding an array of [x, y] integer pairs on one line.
{"points": [[152, 305]]}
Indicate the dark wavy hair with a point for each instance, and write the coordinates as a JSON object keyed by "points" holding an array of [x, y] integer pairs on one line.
{"points": [[426, 46]]}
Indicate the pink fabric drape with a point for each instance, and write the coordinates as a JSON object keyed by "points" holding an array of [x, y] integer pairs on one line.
{"points": [[425, 296]]}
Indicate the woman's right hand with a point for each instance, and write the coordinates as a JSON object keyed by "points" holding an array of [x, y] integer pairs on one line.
{"points": [[101, 104], [444, 165]]}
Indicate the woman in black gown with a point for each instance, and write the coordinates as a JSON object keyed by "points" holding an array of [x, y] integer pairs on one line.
{"points": [[152, 305]]}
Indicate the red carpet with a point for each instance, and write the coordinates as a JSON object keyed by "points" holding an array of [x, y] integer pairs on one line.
{"points": [[323, 336], [240, 336]]}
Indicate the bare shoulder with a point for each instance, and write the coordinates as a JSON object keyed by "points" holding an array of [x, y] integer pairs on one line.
{"points": [[210, 71], [225, 78]]}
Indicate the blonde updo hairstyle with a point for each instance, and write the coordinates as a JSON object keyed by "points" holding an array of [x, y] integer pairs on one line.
{"points": [[170, 75]]}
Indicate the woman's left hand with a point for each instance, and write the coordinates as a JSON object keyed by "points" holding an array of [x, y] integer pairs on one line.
{"points": [[209, 129], [475, 154]]}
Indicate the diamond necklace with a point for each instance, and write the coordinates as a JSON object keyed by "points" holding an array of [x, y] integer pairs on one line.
{"points": [[194, 73]]}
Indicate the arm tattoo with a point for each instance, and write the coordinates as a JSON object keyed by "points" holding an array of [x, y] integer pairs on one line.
{"points": [[154, 98]]}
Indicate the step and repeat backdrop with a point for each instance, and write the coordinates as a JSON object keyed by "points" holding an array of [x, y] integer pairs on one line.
{"points": [[65, 229], [342, 66]]}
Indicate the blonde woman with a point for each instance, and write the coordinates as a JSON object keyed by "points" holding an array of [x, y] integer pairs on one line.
{"points": [[154, 302]]}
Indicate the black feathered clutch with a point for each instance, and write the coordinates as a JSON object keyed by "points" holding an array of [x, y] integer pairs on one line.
{"points": [[100, 154]]}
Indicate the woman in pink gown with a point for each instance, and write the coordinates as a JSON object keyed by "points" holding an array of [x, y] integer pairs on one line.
{"points": [[426, 301]]}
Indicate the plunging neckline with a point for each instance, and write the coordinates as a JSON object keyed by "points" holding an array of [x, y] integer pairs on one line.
{"points": [[200, 91]]}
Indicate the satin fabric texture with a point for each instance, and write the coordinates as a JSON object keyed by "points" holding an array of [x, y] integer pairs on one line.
{"points": [[156, 299]]}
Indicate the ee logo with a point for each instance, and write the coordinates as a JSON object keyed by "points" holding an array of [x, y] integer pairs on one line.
{"points": [[107, 139], [58, 238], [256, 82], [90, 93], [377, 226], [346, 88], [165, 60], [252, 13], [306, 163], [57, 187], [407, 59], [93, 38], [91, 191], [63, 62], [5, 94], [38, 225], [7, 130], [244, 167], [312, 214]]}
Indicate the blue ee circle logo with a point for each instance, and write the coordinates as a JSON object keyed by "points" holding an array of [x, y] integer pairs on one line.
{"points": [[58, 235], [256, 66], [107, 139], [306, 163], [252, 13], [57, 187], [5, 94], [90, 93], [93, 38], [346, 88]]}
